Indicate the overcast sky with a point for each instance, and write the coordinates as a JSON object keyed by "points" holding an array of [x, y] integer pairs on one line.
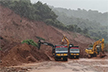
{"points": [[100, 5]]}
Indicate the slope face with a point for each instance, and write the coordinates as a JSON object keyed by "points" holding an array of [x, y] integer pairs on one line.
{"points": [[17, 28]]}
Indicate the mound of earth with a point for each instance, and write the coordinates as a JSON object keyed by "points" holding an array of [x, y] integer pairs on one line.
{"points": [[23, 53], [6, 44]]}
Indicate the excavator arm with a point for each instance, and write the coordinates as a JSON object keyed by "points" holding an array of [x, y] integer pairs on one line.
{"points": [[48, 44], [65, 38], [102, 45], [45, 43], [94, 46], [99, 42]]}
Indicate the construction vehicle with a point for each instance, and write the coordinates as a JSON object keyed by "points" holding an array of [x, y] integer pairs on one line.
{"points": [[73, 51], [96, 50], [60, 52]]}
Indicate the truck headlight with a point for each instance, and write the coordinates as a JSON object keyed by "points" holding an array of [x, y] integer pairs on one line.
{"points": [[77, 54], [65, 54], [58, 54], [72, 54]]}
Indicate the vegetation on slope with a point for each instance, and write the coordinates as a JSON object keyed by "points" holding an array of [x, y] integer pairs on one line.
{"points": [[91, 15], [30, 42], [85, 19], [39, 12]]}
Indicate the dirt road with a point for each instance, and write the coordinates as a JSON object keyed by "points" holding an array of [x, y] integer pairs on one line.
{"points": [[76, 65]]}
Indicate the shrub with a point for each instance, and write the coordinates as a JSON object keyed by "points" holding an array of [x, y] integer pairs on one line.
{"points": [[30, 42]]}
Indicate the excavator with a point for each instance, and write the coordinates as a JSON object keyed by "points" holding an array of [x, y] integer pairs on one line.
{"points": [[96, 50], [73, 51]]}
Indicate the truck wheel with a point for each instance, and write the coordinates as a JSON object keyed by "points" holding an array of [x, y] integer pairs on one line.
{"points": [[94, 55], [65, 59], [70, 57], [77, 57], [56, 59]]}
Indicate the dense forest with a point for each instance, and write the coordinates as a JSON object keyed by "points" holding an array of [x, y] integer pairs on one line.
{"points": [[38, 12], [95, 22], [58, 18], [91, 15]]}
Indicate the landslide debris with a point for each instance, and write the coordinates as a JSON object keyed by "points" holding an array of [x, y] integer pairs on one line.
{"points": [[23, 53]]}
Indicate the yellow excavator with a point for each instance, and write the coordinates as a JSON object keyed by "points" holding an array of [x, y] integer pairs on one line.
{"points": [[96, 50], [73, 51], [65, 38]]}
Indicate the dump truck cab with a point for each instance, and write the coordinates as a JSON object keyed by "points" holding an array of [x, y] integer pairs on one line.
{"points": [[61, 52], [74, 51]]}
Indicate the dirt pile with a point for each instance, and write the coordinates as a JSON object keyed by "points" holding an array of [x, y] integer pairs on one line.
{"points": [[6, 44], [23, 53]]}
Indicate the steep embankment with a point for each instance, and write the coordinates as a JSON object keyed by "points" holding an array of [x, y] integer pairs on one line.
{"points": [[14, 29], [13, 26]]}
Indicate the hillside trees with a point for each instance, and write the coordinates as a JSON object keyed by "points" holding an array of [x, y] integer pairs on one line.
{"points": [[41, 12], [44, 11], [91, 23], [24, 8]]}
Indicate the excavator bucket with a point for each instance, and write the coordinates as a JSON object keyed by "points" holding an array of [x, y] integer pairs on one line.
{"points": [[39, 44], [102, 54]]}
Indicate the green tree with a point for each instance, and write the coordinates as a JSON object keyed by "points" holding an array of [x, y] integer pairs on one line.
{"points": [[85, 31], [79, 30], [70, 27]]}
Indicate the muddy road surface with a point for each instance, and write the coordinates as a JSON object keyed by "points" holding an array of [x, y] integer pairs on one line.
{"points": [[72, 65]]}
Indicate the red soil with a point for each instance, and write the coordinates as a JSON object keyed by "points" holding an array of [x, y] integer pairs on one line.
{"points": [[22, 53]]}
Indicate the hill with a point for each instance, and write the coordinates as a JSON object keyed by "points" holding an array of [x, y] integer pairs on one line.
{"points": [[91, 15], [95, 22], [27, 29], [14, 29]]}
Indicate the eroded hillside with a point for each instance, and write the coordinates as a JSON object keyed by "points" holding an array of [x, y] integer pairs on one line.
{"points": [[14, 29]]}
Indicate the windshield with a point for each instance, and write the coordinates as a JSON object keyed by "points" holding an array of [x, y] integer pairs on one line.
{"points": [[61, 49], [90, 48], [74, 49]]}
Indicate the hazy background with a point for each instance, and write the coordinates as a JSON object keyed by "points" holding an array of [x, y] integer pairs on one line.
{"points": [[100, 5]]}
